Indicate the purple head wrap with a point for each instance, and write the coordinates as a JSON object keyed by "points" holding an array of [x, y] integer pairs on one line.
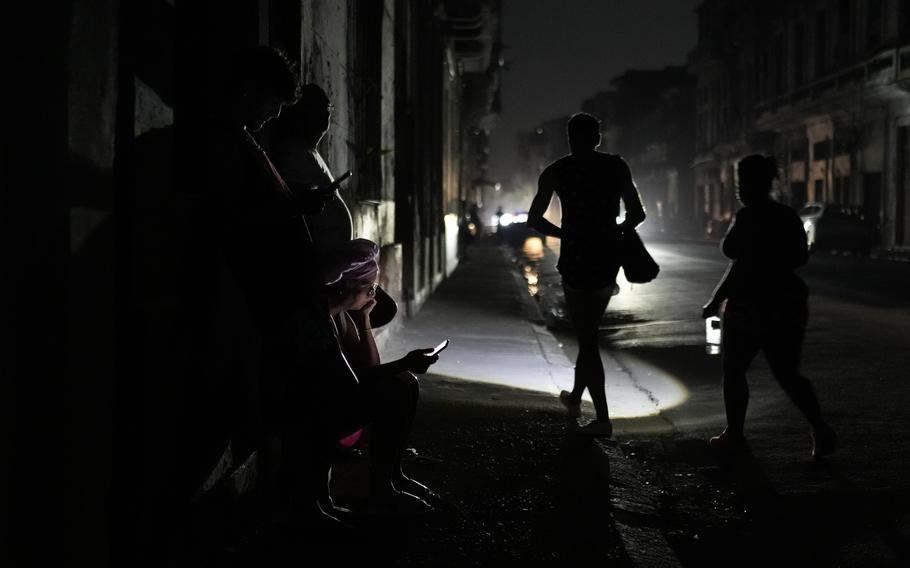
{"points": [[357, 259]]}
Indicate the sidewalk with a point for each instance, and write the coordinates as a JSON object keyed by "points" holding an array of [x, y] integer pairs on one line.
{"points": [[492, 439]]}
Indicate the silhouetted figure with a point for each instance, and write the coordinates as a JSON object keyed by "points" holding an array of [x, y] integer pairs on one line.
{"points": [[590, 185], [386, 398], [766, 304], [296, 152], [474, 217], [300, 130], [270, 253]]}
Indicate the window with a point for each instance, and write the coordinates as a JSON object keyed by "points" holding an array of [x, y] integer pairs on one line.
{"points": [[799, 194], [821, 43], [842, 190], [843, 17], [873, 23], [799, 54], [842, 143], [780, 84], [843, 46], [821, 150], [763, 82], [799, 150], [367, 78]]}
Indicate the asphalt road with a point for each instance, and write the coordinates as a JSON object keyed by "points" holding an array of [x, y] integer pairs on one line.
{"points": [[776, 505]]}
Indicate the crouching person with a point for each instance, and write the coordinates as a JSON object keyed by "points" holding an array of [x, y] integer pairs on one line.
{"points": [[386, 400]]}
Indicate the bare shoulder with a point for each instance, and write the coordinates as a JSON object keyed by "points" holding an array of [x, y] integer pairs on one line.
{"points": [[612, 159], [557, 164], [550, 172]]}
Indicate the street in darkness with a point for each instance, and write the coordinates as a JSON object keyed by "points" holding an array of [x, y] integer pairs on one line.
{"points": [[232, 233], [852, 506]]}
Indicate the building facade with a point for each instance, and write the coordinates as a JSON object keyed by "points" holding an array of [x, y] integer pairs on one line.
{"points": [[128, 354], [823, 86]]}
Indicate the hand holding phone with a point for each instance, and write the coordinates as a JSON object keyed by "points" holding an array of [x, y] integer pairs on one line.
{"points": [[436, 350], [330, 189], [419, 360]]}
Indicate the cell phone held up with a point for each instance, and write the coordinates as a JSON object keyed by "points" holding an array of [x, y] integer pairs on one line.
{"points": [[330, 189], [436, 350]]}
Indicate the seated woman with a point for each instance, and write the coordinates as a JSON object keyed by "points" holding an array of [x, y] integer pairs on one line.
{"points": [[388, 392]]}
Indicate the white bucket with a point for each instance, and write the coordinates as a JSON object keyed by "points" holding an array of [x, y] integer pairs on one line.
{"points": [[712, 335]]}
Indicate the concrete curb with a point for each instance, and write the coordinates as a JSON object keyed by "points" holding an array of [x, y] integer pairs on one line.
{"points": [[636, 515]]}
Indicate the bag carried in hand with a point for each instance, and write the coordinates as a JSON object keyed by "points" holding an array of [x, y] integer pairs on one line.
{"points": [[637, 263]]}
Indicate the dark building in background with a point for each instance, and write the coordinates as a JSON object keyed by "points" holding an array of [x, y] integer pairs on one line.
{"points": [[824, 86], [536, 150], [647, 118], [653, 129], [128, 360]]}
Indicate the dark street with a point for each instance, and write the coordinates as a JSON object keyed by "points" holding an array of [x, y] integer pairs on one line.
{"points": [[775, 506], [455, 283], [848, 511]]}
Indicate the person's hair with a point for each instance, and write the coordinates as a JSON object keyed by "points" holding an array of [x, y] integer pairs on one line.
{"points": [[583, 128], [312, 96], [294, 119], [355, 260], [266, 67], [760, 169]]}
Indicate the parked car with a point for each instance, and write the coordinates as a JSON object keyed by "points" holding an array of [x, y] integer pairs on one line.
{"points": [[838, 228]]}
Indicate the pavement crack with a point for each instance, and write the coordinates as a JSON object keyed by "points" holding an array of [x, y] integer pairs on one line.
{"points": [[649, 394]]}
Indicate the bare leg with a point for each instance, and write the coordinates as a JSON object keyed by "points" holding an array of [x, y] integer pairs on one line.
{"points": [[585, 309], [783, 353], [396, 405], [739, 349]]}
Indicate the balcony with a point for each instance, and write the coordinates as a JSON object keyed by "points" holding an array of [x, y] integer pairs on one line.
{"points": [[882, 69]]}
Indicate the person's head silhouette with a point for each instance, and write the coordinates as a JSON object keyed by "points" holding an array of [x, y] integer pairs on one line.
{"points": [[756, 174], [309, 118], [584, 133], [259, 82]]}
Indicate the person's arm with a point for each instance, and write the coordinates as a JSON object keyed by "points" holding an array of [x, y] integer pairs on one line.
{"points": [[635, 211], [360, 349], [305, 177], [721, 293], [362, 346], [546, 185], [736, 240], [417, 362], [799, 250]]}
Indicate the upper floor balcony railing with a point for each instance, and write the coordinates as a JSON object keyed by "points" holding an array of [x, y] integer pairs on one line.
{"points": [[883, 68]]}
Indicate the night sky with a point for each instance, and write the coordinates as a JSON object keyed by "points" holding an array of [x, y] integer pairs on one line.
{"points": [[560, 52]]}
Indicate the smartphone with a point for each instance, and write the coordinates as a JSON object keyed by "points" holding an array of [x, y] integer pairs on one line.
{"points": [[440, 347], [337, 183]]}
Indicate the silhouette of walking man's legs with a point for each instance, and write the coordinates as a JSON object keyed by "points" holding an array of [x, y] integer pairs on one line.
{"points": [[585, 309]]}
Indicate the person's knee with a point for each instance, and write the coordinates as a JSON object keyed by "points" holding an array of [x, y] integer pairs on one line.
{"points": [[735, 379], [735, 367], [588, 342], [400, 389], [795, 382], [408, 384]]}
